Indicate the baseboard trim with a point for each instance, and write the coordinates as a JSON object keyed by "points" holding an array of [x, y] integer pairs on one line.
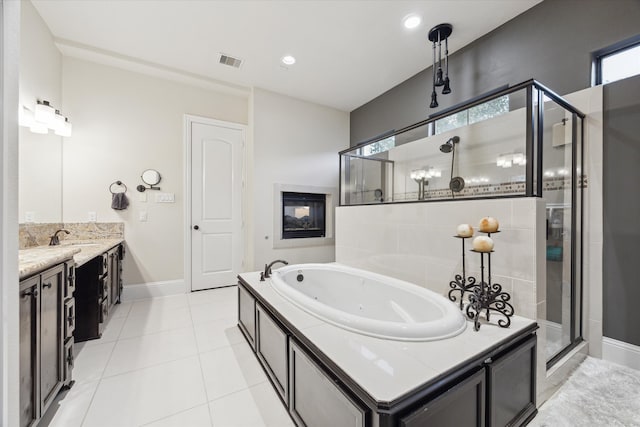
{"points": [[621, 353], [153, 289]]}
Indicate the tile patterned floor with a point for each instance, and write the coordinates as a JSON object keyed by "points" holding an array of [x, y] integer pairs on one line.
{"points": [[172, 361]]}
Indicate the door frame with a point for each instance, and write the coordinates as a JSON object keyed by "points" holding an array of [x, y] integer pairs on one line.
{"points": [[189, 119]]}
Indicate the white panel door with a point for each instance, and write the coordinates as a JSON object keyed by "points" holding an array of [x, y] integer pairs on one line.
{"points": [[216, 201]]}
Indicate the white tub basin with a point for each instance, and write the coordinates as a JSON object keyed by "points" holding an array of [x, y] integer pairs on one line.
{"points": [[368, 303]]}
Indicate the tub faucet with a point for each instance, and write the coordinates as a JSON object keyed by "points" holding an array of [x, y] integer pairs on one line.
{"points": [[267, 269], [54, 239]]}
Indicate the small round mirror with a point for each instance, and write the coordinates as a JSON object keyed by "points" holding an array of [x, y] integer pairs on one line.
{"points": [[151, 177]]}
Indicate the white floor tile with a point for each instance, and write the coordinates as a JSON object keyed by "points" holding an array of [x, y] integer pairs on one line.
{"points": [[90, 361], [228, 295], [230, 369], [214, 310], [148, 350], [217, 334], [162, 304], [165, 319], [253, 407], [120, 310], [195, 417], [147, 395], [71, 406]]}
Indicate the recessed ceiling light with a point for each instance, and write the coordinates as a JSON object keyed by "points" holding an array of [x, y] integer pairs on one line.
{"points": [[411, 21], [288, 60]]}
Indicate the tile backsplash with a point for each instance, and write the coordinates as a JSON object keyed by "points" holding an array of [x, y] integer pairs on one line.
{"points": [[414, 242], [31, 235]]}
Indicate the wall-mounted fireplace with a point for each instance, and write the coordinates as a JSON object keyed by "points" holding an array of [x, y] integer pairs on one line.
{"points": [[303, 215]]}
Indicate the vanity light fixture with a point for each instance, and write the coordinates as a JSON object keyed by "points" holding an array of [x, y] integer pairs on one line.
{"points": [[438, 34], [44, 113], [44, 118], [411, 21], [288, 60]]}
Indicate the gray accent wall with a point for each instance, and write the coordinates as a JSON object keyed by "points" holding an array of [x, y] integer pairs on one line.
{"points": [[552, 42], [621, 210]]}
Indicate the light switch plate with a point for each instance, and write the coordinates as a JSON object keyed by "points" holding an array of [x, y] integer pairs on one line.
{"points": [[165, 198], [92, 216], [143, 216], [29, 216]]}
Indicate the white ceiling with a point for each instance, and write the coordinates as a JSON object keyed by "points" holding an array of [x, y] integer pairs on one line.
{"points": [[348, 52]]}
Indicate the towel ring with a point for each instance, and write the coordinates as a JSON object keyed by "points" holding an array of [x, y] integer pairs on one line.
{"points": [[118, 183]]}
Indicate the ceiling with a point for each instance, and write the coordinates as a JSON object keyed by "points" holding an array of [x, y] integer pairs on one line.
{"points": [[348, 52]]}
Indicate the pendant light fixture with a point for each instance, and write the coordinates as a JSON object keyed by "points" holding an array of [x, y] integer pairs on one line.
{"points": [[438, 34]]}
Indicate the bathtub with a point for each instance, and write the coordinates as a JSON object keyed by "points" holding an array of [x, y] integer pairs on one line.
{"points": [[368, 303]]}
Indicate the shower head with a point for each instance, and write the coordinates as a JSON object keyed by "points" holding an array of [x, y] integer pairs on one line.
{"points": [[447, 147]]}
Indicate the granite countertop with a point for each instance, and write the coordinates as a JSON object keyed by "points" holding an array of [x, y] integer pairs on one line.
{"points": [[39, 258]]}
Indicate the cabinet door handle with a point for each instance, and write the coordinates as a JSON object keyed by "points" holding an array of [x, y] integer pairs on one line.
{"points": [[33, 293], [46, 285], [195, 227]]}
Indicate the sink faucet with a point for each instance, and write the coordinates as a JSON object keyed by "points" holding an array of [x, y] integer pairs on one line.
{"points": [[54, 239], [267, 269]]}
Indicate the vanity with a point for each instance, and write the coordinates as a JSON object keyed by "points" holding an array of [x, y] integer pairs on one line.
{"points": [[66, 292], [326, 375]]}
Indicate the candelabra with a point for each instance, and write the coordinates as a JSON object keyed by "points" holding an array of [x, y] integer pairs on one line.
{"points": [[484, 296]]}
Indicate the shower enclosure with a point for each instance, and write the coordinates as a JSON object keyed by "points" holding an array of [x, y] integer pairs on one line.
{"points": [[519, 141]]}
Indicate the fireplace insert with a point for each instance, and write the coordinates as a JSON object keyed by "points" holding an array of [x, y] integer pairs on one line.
{"points": [[303, 215]]}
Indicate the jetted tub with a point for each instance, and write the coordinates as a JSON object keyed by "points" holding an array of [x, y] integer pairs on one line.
{"points": [[368, 303]]}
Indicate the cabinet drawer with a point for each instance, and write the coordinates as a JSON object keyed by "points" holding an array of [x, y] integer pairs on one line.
{"points": [[315, 401], [69, 318], [104, 313], [68, 360], [70, 285], [104, 264], [271, 347], [247, 315], [104, 287]]}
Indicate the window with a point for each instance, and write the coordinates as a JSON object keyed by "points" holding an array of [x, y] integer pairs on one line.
{"points": [[379, 147], [484, 111], [618, 62]]}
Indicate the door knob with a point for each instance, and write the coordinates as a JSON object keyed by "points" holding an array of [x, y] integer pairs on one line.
{"points": [[195, 227]]}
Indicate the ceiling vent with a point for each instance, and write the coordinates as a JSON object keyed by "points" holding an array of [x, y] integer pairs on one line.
{"points": [[230, 61]]}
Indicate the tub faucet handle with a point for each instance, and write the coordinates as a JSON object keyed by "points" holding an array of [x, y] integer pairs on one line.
{"points": [[267, 268]]}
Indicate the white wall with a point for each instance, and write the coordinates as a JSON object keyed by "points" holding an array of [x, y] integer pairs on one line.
{"points": [[9, 332], [124, 123], [40, 155], [296, 143]]}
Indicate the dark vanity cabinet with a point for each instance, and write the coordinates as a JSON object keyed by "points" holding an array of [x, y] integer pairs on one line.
{"points": [[46, 304], [115, 273], [98, 286]]}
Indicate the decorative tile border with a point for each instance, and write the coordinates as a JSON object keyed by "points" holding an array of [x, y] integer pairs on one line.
{"points": [[514, 188]]}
